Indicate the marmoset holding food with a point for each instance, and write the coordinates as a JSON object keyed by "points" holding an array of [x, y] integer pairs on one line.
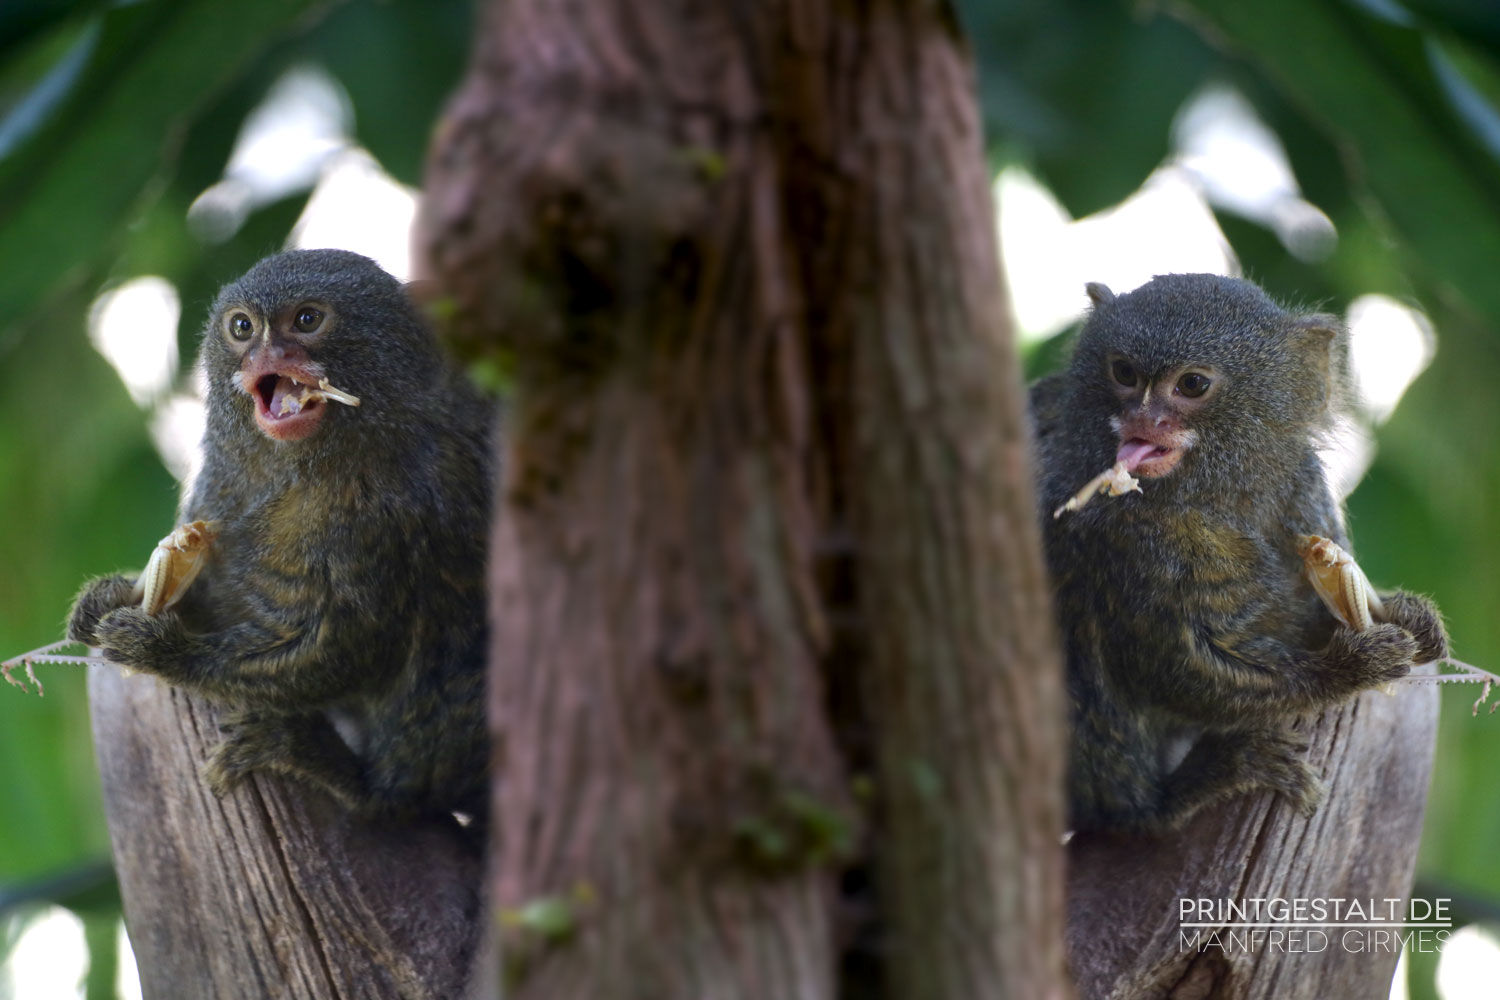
{"points": [[344, 590], [1192, 636]]}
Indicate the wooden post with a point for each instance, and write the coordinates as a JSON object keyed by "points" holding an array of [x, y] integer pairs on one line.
{"points": [[270, 892], [1124, 936]]}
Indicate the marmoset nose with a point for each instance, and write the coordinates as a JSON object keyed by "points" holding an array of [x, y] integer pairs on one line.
{"points": [[276, 350]]}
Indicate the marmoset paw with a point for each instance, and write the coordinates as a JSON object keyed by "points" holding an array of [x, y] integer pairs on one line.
{"points": [[97, 598], [232, 761], [1278, 760], [1375, 656], [1420, 617], [252, 741], [141, 641], [1305, 790], [228, 765]]}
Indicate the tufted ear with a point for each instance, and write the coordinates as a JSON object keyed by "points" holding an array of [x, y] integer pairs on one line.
{"points": [[1320, 336], [423, 291], [1321, 343], [1314, 326], [1099, 293]]}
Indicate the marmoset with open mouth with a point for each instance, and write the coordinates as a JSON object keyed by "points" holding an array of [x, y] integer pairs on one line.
{"points": [[1192, 635], [340, 517]]}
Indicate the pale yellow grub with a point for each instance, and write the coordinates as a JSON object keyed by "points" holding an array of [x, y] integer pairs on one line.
{"points": [[1114, 481], [175, 564], [1340, 582]]}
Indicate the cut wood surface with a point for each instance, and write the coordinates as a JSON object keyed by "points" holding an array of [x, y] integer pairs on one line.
{"points": [[1124, 934], [269, 892]]}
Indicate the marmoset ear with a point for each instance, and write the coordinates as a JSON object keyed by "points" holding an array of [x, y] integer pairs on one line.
{"points": [[1321, 341], [423, 291], [1099, 293], [1318, 326]]}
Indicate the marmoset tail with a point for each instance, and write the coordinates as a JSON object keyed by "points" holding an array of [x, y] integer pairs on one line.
{"points": [[1192, 636], [340, 614]]}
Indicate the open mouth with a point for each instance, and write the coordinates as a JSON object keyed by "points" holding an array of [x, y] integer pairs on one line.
{"points": [[1147, 458], [285, 408]]}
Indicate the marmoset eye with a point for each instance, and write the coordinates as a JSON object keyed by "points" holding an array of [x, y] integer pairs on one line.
{"points": [[1194, 384], [308, 319]]}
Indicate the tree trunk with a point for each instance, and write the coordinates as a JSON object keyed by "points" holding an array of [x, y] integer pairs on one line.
{"points": [[269, 892], [767, 593], [1125, 939]]}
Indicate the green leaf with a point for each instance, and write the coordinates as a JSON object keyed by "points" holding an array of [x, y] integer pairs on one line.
{"points": [[21, 21], [27, 114], [83, 167], [1083, 92], [1475, 20], [85, 495], [398, 61], [1372, 86]]}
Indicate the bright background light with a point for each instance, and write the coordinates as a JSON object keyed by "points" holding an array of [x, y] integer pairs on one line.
{"points": [[50, 959], [1166, 226], [358, 206], [1390, 344], [134, 326], [1243, 168], [127, 974], [1469, 968], [305, 119], [1399, 989]]}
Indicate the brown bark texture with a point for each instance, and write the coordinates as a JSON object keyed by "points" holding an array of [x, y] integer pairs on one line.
{"points": [[269, 892], [774, 686], [1125, 939]]}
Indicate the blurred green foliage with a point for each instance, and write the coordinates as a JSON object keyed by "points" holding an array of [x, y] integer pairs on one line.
{"points": [[114, 117]]}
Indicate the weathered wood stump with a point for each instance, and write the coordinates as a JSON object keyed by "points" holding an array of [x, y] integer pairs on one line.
{"points": [[270, 891], [1124, 939]]}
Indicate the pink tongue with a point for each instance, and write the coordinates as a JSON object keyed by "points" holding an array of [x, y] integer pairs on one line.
{"points": [[1134, 452], [284, 386]]}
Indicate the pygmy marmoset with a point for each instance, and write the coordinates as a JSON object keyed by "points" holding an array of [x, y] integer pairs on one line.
{"points": [[1192, 635], [345, 590]]}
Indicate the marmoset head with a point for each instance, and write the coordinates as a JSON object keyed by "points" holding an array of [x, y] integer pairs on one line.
{"points": [[1203, 373], [306, 321]]}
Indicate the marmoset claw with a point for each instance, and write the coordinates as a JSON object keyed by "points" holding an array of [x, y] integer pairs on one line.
{"points": [[175, 564], [1339, 581]]}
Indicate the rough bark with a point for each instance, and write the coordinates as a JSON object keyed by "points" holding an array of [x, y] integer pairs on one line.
{"points": [[268, 892], [965, 704], [766, 534], [1124, 939]]}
